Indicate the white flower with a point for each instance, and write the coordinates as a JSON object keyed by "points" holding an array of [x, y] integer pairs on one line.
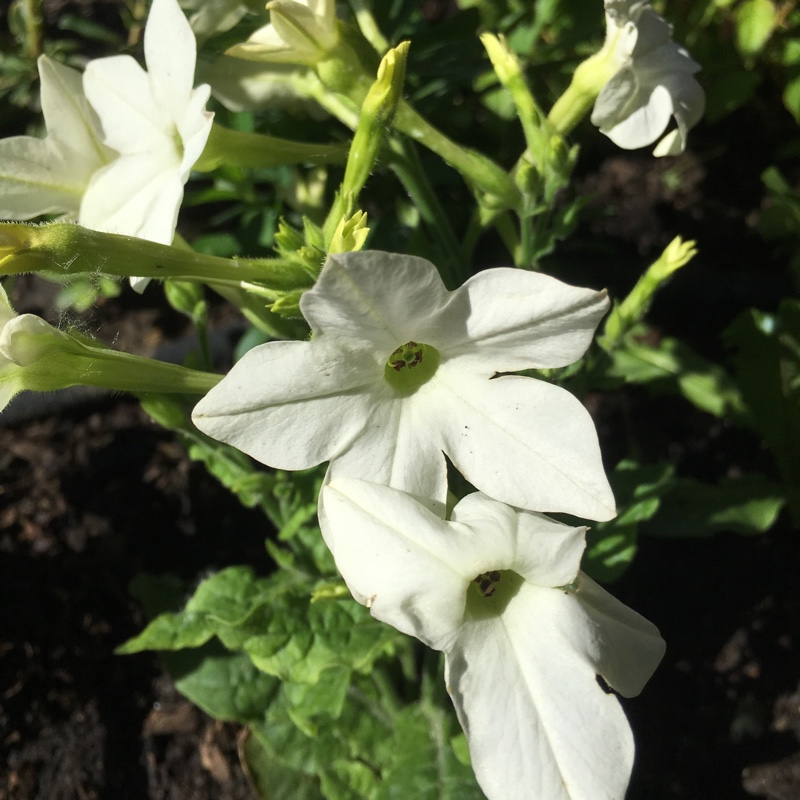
{"points": [[524, 633], [652, 84], [120, 143], [400, 371], [51, 175], [298, 31], [158, 124]]}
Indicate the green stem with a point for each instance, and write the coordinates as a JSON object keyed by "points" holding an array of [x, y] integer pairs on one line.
{"points": [[476, 168], [508, 233], [587, 82], [368, 26], [408, 168], [65, 248], [124, 372], [33, 27], [226, 147]]}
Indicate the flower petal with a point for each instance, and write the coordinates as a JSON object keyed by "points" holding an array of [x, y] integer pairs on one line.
{"points": [[293, 405], [119, 91], [645, 120], [541, 550], [622, 645], [194, 126], [537, 723], [525, 442], [525, 320], [397, 558], [72, 125], [398, 448], [32, 182], [136, 195], [652, 30], [384, 298], [170, 51]]}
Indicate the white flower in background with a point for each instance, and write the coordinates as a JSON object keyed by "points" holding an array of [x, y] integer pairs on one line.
{"points": [[52, 175], [209, 17], [158, 124], [652, 84], [524, 633], [298, 31], [400, 371], [120, 143]]}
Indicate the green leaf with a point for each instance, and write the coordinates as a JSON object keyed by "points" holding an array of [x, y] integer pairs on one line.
{"points": [[767, 361], [228, 686], [611, 546], [272, 779], [424, 765], [746, 505], [671, 366], [276, 623], [755, 21]]}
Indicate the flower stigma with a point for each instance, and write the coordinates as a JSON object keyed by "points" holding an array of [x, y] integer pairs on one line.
{"points": [[410, 366]]}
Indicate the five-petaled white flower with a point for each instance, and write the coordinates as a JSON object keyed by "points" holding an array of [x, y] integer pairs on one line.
{"points": [[400, 371], [158, 124], [297, 33], [524, 633], [652, 84]]}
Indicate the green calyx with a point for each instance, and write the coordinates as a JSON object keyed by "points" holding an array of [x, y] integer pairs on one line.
{"points": [[410, 366]]}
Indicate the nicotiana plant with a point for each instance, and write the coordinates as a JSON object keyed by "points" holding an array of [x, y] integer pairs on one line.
{"points": [[418, 408]]}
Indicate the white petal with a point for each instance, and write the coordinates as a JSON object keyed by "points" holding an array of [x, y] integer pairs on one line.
{"points": [[398, 447], [622, 645], [525, 442], [24, 339], [397, 558], [293, 405], [267, 37], [646, 120], [170, 52], [612, 103], [537, 723], [136, 196], [120, 92], [194, 127], [32, 181], [541, 550], [526, 320], [303, 31], [652, 31], [383, 298], [7, 313], [72, 125]]}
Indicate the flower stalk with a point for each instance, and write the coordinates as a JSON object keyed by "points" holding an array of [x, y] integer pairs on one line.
{"points": [[231, 148], [64, 248]]}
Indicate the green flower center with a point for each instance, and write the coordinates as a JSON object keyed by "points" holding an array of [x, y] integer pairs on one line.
{"points": [[410, 366], [490, 593]]}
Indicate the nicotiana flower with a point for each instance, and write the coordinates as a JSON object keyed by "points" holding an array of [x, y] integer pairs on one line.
{"points": [[524, 633], [52, 175], [120, 142], [652, 84], [158, 124], [297, 33], [400, 371]]}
